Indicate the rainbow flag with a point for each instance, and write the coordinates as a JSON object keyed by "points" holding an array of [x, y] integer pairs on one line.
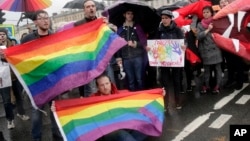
{"points": [[87, 119], [49, 66]]}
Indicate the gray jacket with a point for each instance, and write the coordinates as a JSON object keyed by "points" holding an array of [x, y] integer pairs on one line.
{"points": [[209, 51]]}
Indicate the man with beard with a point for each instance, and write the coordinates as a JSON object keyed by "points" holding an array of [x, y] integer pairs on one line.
{"points": [[42, 22], [89, 9], [106, 88]]}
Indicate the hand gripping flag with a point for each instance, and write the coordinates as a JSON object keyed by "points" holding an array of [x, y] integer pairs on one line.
{"points": [[49, 66], [87, 119]]}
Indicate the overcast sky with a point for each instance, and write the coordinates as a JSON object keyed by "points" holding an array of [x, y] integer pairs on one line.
{"points": [[13, 17]]}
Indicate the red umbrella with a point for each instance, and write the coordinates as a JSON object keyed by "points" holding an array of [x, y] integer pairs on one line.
{"points": [[24, 5]]}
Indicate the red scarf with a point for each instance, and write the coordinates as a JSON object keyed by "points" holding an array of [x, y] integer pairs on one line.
{"points": [[206, 22]]}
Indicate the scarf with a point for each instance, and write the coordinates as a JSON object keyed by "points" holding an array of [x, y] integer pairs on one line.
{"points": [[206, 22]]}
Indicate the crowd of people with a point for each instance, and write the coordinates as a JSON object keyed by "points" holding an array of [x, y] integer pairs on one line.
{"points": [[135, 66]]}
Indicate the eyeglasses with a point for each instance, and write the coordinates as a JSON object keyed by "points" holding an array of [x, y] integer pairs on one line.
{"points": [[43, 18], [2, 34]]}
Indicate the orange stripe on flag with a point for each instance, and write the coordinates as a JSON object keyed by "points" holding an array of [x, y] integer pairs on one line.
{"points": [[142, 96], [56, 47]]}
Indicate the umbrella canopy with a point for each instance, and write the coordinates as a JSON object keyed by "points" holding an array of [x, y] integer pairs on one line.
{"points": [[144, 15], [24, 5], [172, 7], [78, 4]]}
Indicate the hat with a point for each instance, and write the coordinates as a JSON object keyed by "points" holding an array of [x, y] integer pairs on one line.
{"points": [[168, 13], [4, 30]]}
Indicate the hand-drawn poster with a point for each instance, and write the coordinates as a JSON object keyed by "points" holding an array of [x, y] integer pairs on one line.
{"points": [[166, 53]]}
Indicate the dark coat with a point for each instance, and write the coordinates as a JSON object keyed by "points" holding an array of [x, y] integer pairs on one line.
{"points": [[209, 51], [169, 32], [130, 33], [33, 36], [83, 21]]}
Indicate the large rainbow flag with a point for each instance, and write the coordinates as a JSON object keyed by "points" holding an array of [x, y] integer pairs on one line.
{"points": [[87, 119], [49, 66]]}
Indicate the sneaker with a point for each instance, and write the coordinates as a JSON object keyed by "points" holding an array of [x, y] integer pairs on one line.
{"points": [[193, 83], [10, 124], [189, 89], [216, 90], [23, 117], [182, 92], [178, 107], [204, 90]]}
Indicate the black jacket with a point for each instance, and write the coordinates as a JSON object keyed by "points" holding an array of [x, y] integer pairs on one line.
{"points": [[129, 34], [32, 36], [169, 32], [83, 21]]}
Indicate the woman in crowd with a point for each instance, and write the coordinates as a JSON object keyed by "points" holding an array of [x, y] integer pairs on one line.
{"points": [[210, 53]]}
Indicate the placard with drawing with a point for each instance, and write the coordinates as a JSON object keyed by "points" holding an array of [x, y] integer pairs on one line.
{"points": [[166, 53]]}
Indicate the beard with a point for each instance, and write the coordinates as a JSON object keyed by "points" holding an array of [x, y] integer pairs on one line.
{"points": [[44, 28], [91, 15]]}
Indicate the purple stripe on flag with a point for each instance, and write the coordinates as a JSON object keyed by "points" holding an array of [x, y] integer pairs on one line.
{"points": [[155, 120], [78, 79], [142, 126]]}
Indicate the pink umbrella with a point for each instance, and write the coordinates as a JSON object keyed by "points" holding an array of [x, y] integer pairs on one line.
{"points": [[24, 5]]}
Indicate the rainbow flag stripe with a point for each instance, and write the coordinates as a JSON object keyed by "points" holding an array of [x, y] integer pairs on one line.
{"points": [[54, 64], [88, 119]]}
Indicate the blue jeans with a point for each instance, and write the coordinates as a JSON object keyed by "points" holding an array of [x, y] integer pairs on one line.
{"points": [[37, 124], [133, 68], [8, 107]]}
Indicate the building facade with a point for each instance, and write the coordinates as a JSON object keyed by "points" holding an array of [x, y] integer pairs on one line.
{"points": [[65, 17]]}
